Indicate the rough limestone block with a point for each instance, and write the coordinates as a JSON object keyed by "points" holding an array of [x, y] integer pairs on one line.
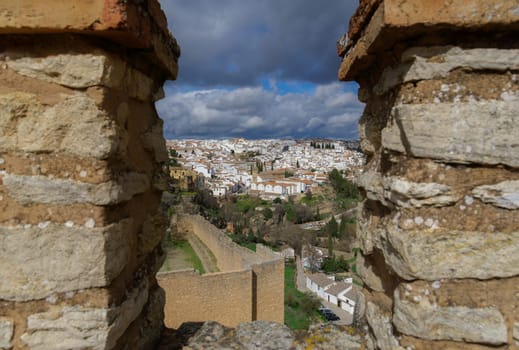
{"points": [[410, 194], [406, 194], [152, 233], [432, 255], [382, 328], [368, 275], [398, 20], [503, 195], [6, 332], [42, 189], [417, 64], [264, 335], [82, 70], [153, 140], [371, 182], [74, 126], [482, 132], [458, 323], [516, 333], [133, 24], [37, 261], [151, 329], [79, 327]]}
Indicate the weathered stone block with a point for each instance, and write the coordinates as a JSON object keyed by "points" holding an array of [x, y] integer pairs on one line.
{"points": [[41, 189], [264, 335], [82, 70], [153, 231], [133, 24], [395, 21], [516, 333], [37, 261], [371, 182], [153, 140], [409, 194], [151, 329], [75, 126], [479, 132], [6, 332], [406, 194], [432, 255], [79, 327], [424, 63], [382, 328], [503, 195], [367, 272], [459, 323]]}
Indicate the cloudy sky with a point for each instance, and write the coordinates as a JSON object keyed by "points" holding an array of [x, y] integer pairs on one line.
{"points": [[259, 69]]}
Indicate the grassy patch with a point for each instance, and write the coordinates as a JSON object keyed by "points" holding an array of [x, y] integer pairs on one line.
{"points": [[243, 240], [300, 308], [190, 253]]}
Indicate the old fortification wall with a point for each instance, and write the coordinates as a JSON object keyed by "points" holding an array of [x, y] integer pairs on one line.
{"points": [[81, 149], [223, 296], [250, 286], [439, 224]]}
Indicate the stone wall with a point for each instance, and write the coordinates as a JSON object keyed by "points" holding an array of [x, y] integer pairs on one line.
{"points": [[250, 286], [439, 224], [190, 297], [81, 152]]}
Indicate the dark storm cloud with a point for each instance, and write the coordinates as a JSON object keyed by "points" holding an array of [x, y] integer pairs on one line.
{"points": [[259, 69], [240, 42]]}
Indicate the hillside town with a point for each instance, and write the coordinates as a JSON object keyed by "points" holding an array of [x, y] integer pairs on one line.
{"points": [[268, 168]]}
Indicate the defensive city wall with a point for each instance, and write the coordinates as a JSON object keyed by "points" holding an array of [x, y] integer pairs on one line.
{"points": [[81, 153], [249, 287], [439, 224]]}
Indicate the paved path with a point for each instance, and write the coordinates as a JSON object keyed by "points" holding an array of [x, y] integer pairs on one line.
{"points": [[206, 257], [345, 317]]}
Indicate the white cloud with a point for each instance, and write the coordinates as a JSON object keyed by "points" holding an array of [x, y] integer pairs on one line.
{"points": [[255, 112]]}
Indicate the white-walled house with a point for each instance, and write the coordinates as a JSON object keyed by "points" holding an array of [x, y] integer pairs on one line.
{"points": [[341, 293], [318, 282]]}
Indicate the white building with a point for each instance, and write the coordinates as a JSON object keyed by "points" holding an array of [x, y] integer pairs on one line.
{"points": [[318, 282], [340, 293]]}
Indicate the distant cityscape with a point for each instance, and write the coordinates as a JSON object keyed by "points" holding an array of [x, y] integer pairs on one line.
{"points": [[269, 168]]}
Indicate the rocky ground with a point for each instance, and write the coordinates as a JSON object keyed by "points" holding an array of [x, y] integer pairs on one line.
{"points": [[259, 335]]}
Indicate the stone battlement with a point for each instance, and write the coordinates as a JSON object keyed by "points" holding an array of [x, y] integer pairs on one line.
{"points": [[439, 222], [81, 153]]}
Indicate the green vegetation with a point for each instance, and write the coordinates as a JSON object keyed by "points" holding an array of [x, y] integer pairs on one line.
{"points": [[300, 308], [268, 213], [247, 203], [347, 193], [335, 265], [173, 155], [310, 199], [189, 252], [247, 241], [298, 213]]}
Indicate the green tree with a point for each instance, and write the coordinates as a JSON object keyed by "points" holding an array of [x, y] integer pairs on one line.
{"points": [[332, 227], [330, 245], [342, 226], [267, 213]]}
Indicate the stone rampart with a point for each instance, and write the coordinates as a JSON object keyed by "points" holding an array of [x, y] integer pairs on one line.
{"points": [[222, 296], [439, 224], [251, 284], [81, 153]]}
